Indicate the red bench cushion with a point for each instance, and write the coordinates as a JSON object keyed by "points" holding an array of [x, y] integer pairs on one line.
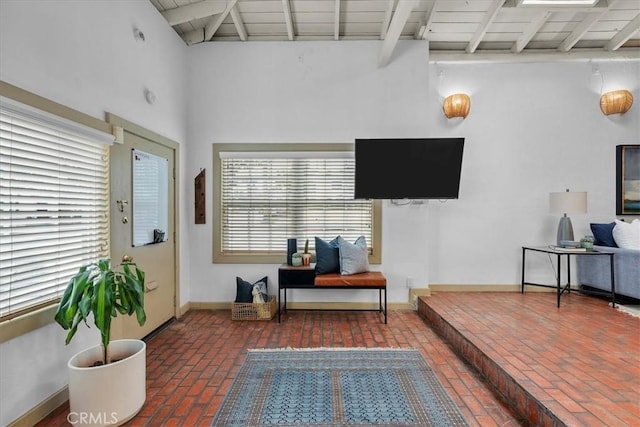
{"points": [[370, 278]]}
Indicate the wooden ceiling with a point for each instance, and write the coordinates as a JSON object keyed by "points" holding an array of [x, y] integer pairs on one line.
{"points": [[452, 26]]}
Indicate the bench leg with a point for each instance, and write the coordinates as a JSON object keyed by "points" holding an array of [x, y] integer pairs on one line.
{"points": [[382, 309], [385, 306]]}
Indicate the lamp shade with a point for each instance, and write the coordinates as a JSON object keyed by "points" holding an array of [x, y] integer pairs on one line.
{"points": [[457, 105], [616, 102], [568, 202]]}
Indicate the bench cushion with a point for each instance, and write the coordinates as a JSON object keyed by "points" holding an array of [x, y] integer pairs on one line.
{"points": [[370, 278]]}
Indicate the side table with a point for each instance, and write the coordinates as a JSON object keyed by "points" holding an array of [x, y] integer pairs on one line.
{"points": [[559, 255]]}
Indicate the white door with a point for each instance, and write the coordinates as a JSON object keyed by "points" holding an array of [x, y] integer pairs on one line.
{"points": [[146, 213]]}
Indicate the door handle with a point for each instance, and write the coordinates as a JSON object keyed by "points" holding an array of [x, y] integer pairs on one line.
{"points": [[127, 258]]}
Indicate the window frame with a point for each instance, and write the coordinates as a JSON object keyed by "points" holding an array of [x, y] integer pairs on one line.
{"points": [[42, 315], [375, 257]]}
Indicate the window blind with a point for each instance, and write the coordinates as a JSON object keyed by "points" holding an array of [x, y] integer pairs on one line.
{"points": [[267, 199], [53, 207]]}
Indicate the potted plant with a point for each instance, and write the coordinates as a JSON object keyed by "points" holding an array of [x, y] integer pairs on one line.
{"points": [[106, 382], [306, 256]]}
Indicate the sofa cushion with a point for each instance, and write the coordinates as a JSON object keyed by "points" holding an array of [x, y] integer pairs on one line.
{"points": [[327, 256], [603, 234], [354, 257], [627, 235]]}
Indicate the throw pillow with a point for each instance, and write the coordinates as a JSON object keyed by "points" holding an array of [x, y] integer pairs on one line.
{"points": [[627, 235], [244, 289], [327, 256], [354, 257], [603, 234]]}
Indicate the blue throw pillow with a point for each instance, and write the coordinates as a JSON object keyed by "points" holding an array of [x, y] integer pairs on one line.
{"points": [[354, 257], [244, 289], [327, 256], [603, 234]]}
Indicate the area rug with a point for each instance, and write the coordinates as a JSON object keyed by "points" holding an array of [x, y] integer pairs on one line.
{"points": [[337, 387]]}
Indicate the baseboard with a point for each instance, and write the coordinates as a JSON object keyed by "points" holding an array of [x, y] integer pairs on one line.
{"points": [[44, 408], [487, 288], [205, 305], [183, 309], [414, 293], [307, 306]]}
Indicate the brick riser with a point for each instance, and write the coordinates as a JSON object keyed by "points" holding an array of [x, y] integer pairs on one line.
{"points": [[522, 402]]}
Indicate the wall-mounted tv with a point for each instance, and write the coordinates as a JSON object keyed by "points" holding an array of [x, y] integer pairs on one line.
{"points": [[408, 168]]}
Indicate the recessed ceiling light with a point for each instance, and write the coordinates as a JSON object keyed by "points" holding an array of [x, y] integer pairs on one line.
{"points": [[558, 2]]}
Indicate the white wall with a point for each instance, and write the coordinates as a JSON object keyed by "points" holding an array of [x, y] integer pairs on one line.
{"points": [[526, 120], [83, 55], [534, 128], [305, 92]]}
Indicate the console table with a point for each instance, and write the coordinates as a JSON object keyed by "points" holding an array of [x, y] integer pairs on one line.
{"points": [[304, 277], [560, 254]]}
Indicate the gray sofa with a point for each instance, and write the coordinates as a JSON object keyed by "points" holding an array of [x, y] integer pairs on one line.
{"points": [[594, 271]]}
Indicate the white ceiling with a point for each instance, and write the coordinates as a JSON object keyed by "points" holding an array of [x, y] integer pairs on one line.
{"points": [[451, 26]]}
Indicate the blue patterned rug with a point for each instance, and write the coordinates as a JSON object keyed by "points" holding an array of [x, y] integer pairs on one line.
{"points": [[337, 387]]}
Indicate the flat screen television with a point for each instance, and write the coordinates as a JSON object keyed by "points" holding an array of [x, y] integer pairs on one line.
{"points": [[408, 168]]}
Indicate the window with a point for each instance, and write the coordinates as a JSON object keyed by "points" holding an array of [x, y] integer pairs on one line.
{"points": [[54, 185], [266, 193]]}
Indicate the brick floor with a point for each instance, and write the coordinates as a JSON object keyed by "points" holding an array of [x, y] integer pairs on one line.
{"points": [[577, 365], [192, 362]]}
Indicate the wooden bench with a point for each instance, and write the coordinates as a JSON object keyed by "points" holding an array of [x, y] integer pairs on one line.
{"points": [[290, 277]]}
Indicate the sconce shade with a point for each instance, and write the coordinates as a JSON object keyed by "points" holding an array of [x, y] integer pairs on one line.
{"points": [[616, 102], [457, 105]]}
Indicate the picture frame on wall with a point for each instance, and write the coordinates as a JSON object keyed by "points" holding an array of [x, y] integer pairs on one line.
{"points": [[628, 179]]}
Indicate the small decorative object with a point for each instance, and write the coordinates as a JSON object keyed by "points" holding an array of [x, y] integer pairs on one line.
{"points": [[587, 242], [296, 259], [292, 248], [200, 200], [306, 256]]}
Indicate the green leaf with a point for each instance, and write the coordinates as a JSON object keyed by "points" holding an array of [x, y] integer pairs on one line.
{"points": [[101, 290]]}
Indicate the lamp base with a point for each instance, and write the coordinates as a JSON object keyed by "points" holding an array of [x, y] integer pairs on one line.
{"points": [[565, 230]]}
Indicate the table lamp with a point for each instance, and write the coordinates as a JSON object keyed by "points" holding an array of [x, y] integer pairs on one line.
{"points": [[567, 202]]}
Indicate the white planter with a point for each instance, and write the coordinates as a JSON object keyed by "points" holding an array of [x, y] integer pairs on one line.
{"points": [[110, 394]]}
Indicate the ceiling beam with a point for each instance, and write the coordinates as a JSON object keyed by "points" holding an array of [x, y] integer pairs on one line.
{"points": [[530, 31], [336, 21], [484, 25], [237, 21], [395, 29], [192, 11], [424, 28], [387, 18], [288, 18], [193, 37], [213, 25], [580, 30], [625, 34]]}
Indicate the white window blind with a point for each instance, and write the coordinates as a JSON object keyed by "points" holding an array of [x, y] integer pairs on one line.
{"points": [[269, 197], [53, 206]]}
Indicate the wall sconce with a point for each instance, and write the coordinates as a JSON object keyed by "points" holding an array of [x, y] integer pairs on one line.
{"points": [[616, 102], [457, 105]]}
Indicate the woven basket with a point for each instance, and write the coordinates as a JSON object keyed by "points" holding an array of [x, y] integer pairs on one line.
{"points": [[254, 311]]}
